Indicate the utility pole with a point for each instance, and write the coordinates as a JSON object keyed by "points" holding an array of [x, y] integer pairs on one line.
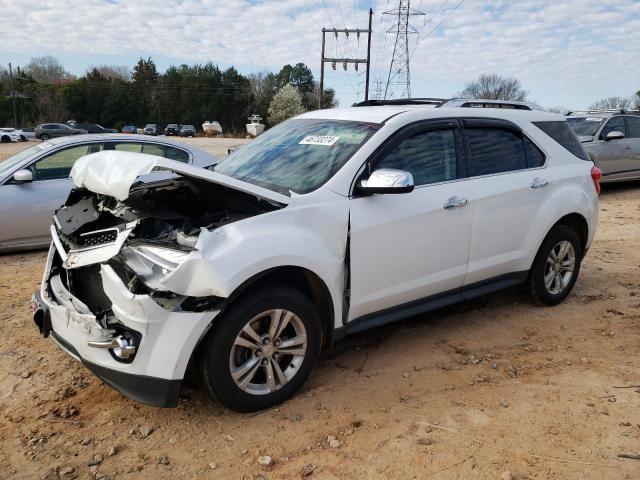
{"points": [[399, 68], [13, 97], [346, 61]]}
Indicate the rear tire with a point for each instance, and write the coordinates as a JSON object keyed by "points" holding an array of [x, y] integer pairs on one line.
{"points": [[262, 349], [5, 139], [44, 137], [556, 267]]}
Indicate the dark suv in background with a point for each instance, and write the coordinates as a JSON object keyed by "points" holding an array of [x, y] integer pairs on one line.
{"points": [[612, 140], [53, 130], [172, 129]]}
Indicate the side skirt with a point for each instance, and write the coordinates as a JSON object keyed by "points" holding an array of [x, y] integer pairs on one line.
{"points": [[431, 303]]}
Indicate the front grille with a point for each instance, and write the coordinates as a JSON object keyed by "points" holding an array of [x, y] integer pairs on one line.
{"points": [[85, 283], [101, 237]]}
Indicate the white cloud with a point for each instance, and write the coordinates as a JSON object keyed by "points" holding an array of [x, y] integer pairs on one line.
{"points": [[573, 49]]}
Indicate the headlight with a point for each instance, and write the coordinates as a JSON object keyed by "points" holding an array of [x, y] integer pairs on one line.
{"points": [[152, 262]]}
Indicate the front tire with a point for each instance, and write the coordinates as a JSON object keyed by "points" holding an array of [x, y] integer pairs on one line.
{"points": [[262, 349], [556, 266]]}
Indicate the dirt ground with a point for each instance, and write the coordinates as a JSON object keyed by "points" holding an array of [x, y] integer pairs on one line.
{"points": [[491, 389]]}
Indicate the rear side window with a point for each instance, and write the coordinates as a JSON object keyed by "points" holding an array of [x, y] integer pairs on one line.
{"points": [[535, 157], [562, 133], [633, 126], [494, 150]]}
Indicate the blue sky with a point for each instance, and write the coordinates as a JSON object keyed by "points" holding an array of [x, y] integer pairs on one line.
{"points": [[567, 53]]}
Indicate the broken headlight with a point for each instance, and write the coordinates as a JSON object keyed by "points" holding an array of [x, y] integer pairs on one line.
{"points": [[153, 262]]}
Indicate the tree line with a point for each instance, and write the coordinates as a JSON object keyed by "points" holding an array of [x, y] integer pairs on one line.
{"points": [[114, 95]]}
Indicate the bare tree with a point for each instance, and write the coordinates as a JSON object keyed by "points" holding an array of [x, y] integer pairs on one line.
{"points": [[612, 103], [50, 106], [116, 72], [494, 87], [47, 70]]}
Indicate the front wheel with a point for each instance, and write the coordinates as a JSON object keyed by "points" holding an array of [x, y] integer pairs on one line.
{"points": [[556, 266], [262, 349]]}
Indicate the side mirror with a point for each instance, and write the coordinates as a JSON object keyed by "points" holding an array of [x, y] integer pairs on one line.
{"points": [[23, 176], [387, 180], [614, 135]]}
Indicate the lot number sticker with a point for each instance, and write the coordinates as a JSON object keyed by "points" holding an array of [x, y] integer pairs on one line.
{"points": [[319, 140]]}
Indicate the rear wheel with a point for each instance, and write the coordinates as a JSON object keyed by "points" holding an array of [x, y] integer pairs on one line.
{"points": [[5, 139], [556, 266], [44, 137], [262, 350]]}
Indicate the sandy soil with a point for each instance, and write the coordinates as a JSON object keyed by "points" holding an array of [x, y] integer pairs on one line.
{"points": [[495, 388]]}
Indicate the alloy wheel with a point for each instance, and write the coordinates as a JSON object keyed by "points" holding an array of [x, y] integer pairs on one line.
{"points": [[268, 351], [559, 268]]}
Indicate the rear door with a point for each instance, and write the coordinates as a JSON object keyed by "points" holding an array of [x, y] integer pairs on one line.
{"points": [[633, 136], [26, 209], [507, 182]]}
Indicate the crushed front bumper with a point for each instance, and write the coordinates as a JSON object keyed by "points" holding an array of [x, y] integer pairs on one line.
{"points": [[167, 338]]}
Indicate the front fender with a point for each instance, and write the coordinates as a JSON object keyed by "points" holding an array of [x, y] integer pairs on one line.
{"points": [[310, 237]]}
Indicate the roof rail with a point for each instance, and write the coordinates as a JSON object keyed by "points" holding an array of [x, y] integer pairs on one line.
{"points": [[604, 110], [401, 101], [489, 103]]}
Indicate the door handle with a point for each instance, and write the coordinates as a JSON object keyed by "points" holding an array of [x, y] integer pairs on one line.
{"points": [[539, 183], [455, 202]]}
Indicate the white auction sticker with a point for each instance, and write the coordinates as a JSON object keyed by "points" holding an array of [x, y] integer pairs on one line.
{"points": [[319, 140]]}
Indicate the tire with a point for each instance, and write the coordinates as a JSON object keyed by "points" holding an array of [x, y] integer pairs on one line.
{"points": [[549, 281], [44, 137], [5, 139], [221, 353]]}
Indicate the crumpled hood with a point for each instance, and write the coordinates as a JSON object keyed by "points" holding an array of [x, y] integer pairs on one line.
{"points": [[112, 173]]}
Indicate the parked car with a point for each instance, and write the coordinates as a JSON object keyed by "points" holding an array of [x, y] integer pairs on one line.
{"points": [[95, 128], [27, 133], [612, 140], [328, 224], [151, 129], [35, 182], [172, 129], [54, 130], [8, 135], [130, 129], [187, 131]]}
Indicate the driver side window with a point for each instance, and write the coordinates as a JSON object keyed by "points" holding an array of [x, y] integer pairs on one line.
{"points": [[429, 156], [615, 124], [58, 165]]}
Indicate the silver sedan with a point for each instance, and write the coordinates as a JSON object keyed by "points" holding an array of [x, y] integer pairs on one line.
{"points": [[35, 181]]}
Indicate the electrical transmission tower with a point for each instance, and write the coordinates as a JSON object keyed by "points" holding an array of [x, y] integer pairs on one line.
{"points": [[399, 68]]}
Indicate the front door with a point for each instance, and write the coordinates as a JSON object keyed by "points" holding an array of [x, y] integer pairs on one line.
{"points": [[409, 246]]}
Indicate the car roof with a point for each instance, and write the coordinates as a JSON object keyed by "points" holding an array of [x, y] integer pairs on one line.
{"points": [[380, 114], [115, 137]]}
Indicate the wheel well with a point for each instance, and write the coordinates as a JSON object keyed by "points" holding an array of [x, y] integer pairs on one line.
{"points": [[5, 139], [579, 225], [301, 279]]}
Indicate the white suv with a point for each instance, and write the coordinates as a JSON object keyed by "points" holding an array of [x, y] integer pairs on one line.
{"points": [[331, 223]]}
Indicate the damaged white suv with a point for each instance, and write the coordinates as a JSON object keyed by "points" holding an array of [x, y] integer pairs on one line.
{"points": [[328, 224]]}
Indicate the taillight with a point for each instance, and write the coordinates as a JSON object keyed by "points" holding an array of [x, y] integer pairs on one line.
{"points": [[596, 175]]}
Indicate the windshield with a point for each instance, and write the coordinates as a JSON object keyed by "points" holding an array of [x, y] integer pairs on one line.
{"points": [[298, 155], [9, 163], [585, 126]]}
